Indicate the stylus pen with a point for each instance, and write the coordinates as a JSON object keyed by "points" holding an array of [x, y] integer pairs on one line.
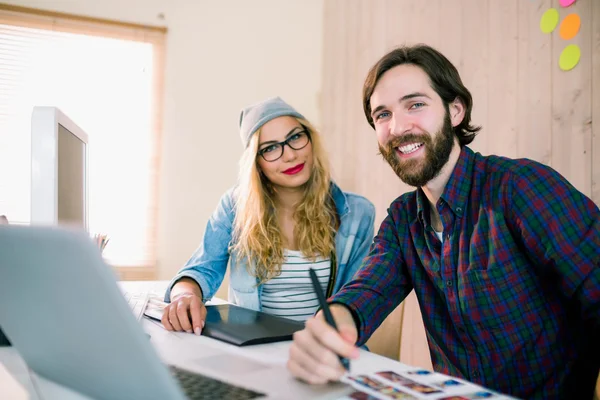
{"points": [[325, 307]]}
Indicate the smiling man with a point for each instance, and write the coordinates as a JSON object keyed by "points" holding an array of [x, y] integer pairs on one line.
{"points": [[503, 254]]}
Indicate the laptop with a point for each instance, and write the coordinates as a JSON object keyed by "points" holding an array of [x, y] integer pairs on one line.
{"points": [[71, 324]]}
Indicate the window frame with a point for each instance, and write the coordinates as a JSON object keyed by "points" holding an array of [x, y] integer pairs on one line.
{"points": [[155, 35]]}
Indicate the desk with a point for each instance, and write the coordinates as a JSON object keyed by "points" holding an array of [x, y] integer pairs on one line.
{"points": [[16, 381]]}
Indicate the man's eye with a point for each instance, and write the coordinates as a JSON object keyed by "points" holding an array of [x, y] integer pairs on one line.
{"points": [[417, 105], [382, 115]]}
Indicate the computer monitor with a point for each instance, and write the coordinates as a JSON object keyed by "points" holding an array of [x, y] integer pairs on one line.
{"points": [[59, 170]]}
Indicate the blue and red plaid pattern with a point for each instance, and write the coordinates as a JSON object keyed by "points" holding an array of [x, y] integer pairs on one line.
{"points": [[511, 297]]}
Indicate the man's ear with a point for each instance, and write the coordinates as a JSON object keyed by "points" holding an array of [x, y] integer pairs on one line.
{"points": [[457, 111]]}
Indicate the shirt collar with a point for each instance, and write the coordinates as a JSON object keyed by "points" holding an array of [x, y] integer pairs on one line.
{"points": [[457, 189], [339, 199]]}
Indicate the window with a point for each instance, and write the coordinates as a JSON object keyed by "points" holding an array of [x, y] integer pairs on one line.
{"points": [[107, 77]]}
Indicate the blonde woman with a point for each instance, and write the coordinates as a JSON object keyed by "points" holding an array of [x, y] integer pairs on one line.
{"points": [[284, 215]]}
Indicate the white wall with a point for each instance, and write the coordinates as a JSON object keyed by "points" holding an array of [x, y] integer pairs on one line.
{"points": [[221, 55]]}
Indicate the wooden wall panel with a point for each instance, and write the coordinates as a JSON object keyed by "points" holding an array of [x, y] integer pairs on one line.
{"points": [[334, 81], [474, 61], [534, 83], [501, 127], [449, 33], [572, 105], [414, 349], [596, 117], [596, 104]]}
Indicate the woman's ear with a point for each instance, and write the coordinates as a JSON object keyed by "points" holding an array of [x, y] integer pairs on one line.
{"points": [[457, 111]]}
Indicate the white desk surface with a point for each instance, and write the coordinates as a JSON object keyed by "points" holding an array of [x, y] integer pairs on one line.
{"points": [[17, 382]]}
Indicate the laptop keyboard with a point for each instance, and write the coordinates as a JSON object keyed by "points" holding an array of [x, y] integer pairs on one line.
{"points": [[199, 387], [195, 386], [136, 302]]}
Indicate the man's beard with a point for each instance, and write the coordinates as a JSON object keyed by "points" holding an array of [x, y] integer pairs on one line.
{"points": [[417, 172]]}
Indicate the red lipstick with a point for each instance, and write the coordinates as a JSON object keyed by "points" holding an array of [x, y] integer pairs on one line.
{"points": [[294, 170]]}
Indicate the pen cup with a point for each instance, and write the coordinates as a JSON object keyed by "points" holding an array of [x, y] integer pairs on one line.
{"points": [[101, 240]]}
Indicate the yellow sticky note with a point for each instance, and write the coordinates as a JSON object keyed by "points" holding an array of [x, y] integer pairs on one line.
{"points": [[569, 57], [549, 20]]}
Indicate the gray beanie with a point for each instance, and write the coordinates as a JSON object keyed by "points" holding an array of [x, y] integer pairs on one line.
{"points": [[256, 115]]}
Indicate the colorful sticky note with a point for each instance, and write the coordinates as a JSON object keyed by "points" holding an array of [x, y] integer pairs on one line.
{"points": [[569, 57], [549, 20], [570, 26], [566, 3]]}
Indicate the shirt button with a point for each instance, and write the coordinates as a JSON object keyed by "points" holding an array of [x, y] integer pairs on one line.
{"points": [[461, 329], [449, 283], [458, 209], [475, 374], [448, 237]]}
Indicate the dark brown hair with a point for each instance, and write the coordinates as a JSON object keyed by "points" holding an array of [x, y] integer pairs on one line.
{"points": [[443, 76]]}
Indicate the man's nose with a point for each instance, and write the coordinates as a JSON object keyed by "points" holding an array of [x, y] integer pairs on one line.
{"points": [[400, 124]]}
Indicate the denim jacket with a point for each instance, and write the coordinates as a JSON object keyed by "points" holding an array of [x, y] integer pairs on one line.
{"points": [[208, 264]]}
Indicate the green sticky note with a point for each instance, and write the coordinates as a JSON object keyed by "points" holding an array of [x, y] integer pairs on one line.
{"points": [[569, 57], [549, 20]]}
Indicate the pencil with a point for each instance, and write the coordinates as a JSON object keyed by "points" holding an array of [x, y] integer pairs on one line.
{"points": [[327, 313]]}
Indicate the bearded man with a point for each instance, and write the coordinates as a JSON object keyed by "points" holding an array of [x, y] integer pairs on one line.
{"points": [[503, 254]]}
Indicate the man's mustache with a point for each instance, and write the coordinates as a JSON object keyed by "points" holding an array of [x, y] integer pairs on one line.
{"points": [[407, 139]]}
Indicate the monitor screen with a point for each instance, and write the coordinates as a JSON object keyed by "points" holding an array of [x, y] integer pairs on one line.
{"points": [[59, 173], [71, 179]]}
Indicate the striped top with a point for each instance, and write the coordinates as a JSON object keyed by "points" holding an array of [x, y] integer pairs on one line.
{"points": [[291, 294]]}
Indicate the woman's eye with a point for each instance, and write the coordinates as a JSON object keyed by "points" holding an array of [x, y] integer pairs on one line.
{"points": [[269, 149]]}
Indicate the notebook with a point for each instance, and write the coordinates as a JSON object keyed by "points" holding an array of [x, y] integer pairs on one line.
{"points": [[239, 326]]}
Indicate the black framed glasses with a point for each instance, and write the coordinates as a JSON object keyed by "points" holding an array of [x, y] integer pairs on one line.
{"points": [[274, 151]]}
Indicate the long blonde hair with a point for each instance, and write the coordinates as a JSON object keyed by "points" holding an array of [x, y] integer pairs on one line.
{"points": [[256, 234]]}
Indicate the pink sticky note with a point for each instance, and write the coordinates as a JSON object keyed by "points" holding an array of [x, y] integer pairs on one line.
{"points": [[566, 3]]}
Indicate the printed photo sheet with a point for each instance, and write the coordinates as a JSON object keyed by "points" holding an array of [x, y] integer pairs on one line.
{"points": [[415, 384]]}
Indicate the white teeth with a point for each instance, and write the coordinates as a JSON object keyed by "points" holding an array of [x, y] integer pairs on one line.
{"points": [[409, 148]]}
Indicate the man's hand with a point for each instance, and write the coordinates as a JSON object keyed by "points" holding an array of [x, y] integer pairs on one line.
{"points": [[315, 349]]}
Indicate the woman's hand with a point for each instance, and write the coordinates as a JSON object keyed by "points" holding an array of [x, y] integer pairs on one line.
{"points": [[186, 312]]}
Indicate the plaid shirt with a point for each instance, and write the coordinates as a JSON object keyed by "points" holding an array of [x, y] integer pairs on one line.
{"points": [[511, 297]]}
